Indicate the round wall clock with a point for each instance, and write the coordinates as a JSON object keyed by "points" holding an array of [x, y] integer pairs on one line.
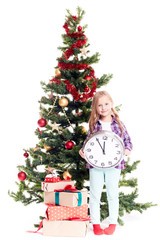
{"points": [[103, 149]]}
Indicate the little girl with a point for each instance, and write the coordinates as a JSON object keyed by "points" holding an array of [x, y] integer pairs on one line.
{"points": [[104, 117]]}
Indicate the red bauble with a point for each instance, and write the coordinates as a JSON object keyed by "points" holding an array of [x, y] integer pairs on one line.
{"points": [[22, 176], [87, 89], [42, 122], [88, 78], [69, 145], [79, 28], [25, 154]]}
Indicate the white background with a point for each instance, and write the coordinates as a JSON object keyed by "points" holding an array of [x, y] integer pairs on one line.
{"points": [[126, 34]]}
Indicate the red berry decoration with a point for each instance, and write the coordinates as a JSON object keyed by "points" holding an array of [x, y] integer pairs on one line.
{"points": [[87, 89], [42, 122], [22, 176], [79, 28], [25, 154], [69, 145]]}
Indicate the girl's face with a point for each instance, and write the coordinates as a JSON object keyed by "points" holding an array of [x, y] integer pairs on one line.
{"points": [[104, 106]]}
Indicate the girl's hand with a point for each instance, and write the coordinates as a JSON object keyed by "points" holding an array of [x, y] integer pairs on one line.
{"points": [[127, 152], [81, 153]]}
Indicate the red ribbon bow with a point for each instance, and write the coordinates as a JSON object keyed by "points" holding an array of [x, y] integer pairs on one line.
{"points": [[67, 188]]}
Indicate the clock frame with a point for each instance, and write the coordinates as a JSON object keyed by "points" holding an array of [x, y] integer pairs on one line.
{"points": [[103, 149]]}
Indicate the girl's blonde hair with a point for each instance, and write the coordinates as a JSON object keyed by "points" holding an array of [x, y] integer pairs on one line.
{"points": [[94, 114]]}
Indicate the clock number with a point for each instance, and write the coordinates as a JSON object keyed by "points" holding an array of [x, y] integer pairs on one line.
{"points": [[115, 158], [95, 161], [105, 138], [117, 145], [109, 163], [118, 152], [91, 157], [88, 150], [92, 143], [102, 164]]}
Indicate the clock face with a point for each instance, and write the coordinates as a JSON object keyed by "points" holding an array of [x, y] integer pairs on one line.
{"points": [[104, 149]]}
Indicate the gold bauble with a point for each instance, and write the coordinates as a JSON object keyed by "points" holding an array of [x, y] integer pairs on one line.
{"points": [[67, 175], [83, 129], [63, 102], [57, 72], [48, 148]]}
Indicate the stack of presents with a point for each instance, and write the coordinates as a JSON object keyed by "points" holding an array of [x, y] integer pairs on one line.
{"points": [[67, 209]]}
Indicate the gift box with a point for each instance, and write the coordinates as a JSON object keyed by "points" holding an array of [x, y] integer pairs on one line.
{"points": [[55, 213], [66, 198], [65, 228], [51, 186], [52, 179]]}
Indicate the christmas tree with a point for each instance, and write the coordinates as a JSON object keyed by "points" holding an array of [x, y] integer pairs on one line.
{"points": [[61, 132]]}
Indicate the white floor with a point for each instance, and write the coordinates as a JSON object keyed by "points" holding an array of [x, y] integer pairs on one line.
{"points": [[17, 219]]}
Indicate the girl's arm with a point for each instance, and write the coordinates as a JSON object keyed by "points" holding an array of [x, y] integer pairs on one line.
{"points": [[127, 141]]}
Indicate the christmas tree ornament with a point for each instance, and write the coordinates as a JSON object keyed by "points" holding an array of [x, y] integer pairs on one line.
{"points": [[82, 129], [67, 175], [25, 154], [57, 72], [49, 169], [83, 51], [79, 28], [63, 102], [48, 148], [55, 126], [69, 145], [22, 176], [42, 122], [36, 149], [50, 96]]}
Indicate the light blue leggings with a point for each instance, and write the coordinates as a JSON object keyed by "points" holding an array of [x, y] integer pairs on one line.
{"points": [[111, 178]]}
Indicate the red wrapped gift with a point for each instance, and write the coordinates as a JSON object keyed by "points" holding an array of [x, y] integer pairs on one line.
{"points": [[55, 213], [49, 187], [52, 179]]}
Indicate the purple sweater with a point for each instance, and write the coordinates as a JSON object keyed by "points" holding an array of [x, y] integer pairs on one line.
{"points": [[116, 129]]}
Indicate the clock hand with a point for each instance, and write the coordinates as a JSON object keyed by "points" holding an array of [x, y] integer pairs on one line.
{"points": [[103, 149]]}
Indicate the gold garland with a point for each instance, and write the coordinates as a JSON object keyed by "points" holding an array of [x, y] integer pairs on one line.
{"points": [[53, 105], [67, 117]]}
